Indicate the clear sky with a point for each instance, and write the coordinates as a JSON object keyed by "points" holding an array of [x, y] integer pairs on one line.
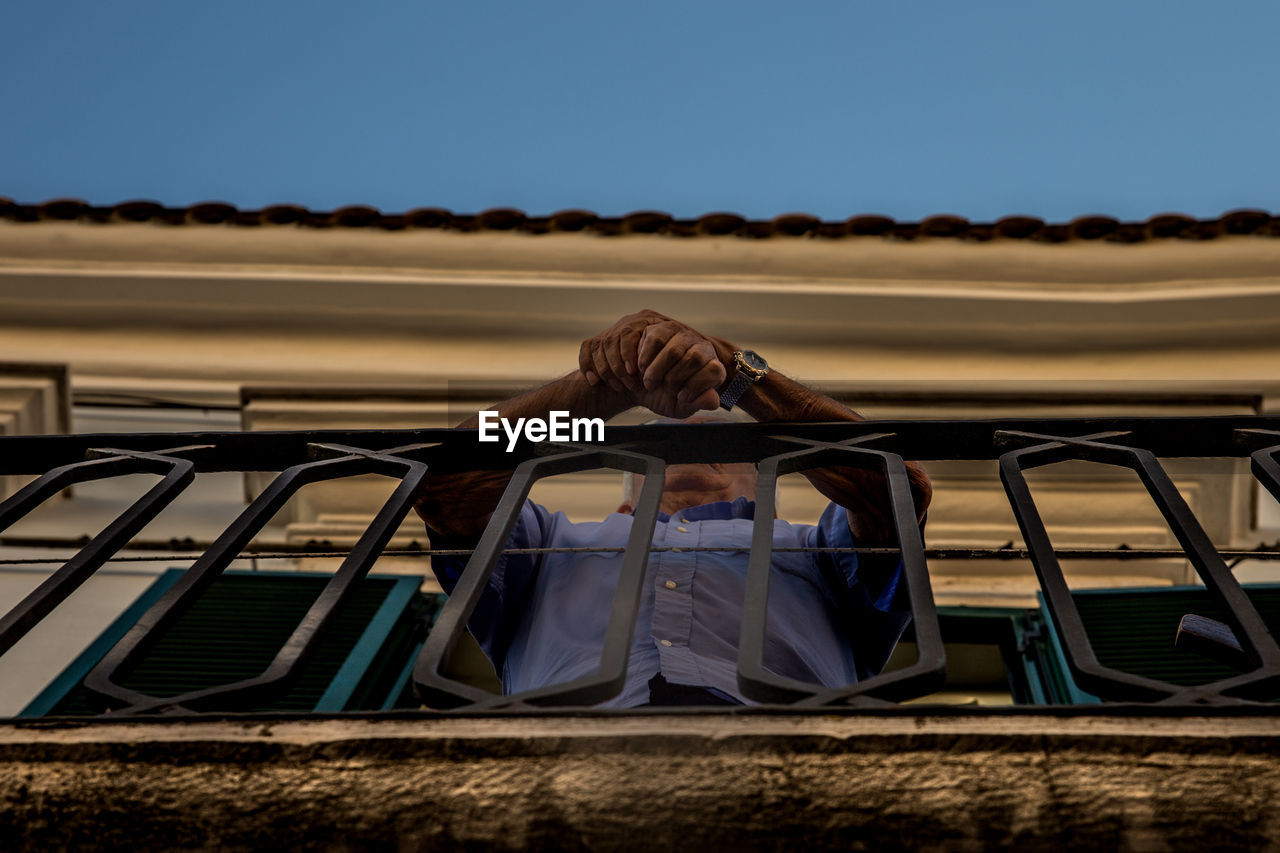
{"points": [[1123, 107]]}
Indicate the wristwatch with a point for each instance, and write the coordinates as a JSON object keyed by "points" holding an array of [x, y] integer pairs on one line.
{"points": [[751, 369]]}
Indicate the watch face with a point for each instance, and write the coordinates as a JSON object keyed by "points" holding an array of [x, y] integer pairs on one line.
{"points": [[752, 360]]}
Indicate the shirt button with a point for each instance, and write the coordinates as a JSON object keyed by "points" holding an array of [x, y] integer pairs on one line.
{"points": [[683, 529], [666, 643], [670, 584]]}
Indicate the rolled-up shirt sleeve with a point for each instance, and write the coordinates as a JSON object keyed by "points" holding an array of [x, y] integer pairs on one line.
{"points": [[494, 618], [870, 591]]}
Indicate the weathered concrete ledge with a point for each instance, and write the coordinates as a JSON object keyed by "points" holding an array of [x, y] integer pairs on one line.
{"points": [[661, 781]]}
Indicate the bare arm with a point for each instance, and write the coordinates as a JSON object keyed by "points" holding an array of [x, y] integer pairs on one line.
{"points": [[863, 493]]}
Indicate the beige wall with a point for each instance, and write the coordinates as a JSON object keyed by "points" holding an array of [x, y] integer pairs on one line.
{"points": [[200, 313]]}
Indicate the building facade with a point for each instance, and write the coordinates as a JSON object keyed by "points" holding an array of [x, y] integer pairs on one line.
{"points": [[140, 319]]}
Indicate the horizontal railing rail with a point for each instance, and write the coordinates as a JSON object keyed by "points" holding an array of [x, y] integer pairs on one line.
{"points": [[924, 440], [411, 456]]}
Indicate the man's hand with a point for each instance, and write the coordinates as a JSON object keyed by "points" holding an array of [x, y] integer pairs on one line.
{"points": [[611, 357], [657, 362]]}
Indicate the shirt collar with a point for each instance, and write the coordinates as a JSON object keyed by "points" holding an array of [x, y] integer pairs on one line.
{"points": [[739, 507]]}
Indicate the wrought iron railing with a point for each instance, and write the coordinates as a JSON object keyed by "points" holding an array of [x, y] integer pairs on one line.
{"points": [[410, 456]]}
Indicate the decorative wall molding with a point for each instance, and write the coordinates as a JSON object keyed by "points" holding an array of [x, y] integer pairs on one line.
{"points": [[35, 399]]}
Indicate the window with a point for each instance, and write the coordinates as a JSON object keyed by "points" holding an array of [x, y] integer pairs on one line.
{"points": [[233, 631]]}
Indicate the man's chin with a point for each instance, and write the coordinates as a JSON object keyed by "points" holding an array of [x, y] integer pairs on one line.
{"points": [[693, 484]]}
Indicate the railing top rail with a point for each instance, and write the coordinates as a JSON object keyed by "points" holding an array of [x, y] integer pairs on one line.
{"points": [[925, 440]]}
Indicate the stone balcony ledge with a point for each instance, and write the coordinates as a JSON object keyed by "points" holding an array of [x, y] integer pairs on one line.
{"points": [[955, 779]]}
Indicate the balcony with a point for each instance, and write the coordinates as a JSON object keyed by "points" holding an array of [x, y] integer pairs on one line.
{"points": [[1133, 695]]}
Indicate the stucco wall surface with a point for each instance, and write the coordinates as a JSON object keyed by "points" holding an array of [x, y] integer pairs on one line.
{"points": [[651, 782]]}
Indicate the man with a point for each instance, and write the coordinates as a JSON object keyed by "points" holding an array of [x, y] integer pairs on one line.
{"points": [[833, 618]]}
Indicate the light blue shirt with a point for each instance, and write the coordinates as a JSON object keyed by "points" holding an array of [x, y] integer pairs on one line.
{"points": [[542, 618]]}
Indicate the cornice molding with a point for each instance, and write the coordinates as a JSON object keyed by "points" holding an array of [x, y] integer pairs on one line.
{"points": [[998, 295]]}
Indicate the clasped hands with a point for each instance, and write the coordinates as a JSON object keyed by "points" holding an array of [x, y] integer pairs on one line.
{"points": [[657, 362]]}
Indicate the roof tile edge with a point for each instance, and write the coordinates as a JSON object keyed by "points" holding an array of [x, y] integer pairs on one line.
{"points": [[1247, 222]]}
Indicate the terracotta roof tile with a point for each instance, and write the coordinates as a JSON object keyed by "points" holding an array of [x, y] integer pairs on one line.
{"points": [[427, 217], [211, 213], [279, 214], [791, 225], [1093, 227], [795, 224], [1019, 227], [719, 224], [63, 208], [139, 211], [572, 220], [865, 226], [1168, 225], [645, 222], [500, 219], [356, 216], [1245, 221], [944, 226]]}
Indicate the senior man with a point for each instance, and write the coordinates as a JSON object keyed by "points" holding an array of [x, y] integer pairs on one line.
{"points": [[833, 618]]}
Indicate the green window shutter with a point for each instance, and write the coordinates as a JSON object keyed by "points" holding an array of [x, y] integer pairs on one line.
{"points": [[1132, 630], [236, 628]]}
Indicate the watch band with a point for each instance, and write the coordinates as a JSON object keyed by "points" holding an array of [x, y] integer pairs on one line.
{"points": [[750, 369], [731, 395]]}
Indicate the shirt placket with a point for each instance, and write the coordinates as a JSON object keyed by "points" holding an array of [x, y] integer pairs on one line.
{"points": [[673, 602]]}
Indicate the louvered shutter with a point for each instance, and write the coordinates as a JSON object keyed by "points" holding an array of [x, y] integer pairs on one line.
{"points": [[235, 629]]}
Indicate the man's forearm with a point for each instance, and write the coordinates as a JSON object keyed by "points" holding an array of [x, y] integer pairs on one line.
{"points": [[863, 492], [459, 505]]}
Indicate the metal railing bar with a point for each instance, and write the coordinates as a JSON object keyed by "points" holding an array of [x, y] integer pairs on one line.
{"points": [[917, 439], [305, 457], [1208, 562], [430, 684], [1265, 461], [1251, 688], [437, 690], [176, 474], [103, 678], [610, 678], [1199, 550], [922, 677], [1053, 584]]}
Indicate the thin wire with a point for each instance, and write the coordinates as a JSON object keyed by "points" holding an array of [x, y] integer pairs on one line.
{"points": [[937, 553], [449, 552]]}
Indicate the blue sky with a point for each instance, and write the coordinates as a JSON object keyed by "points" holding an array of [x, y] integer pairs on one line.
{"points": [[831, 108]]}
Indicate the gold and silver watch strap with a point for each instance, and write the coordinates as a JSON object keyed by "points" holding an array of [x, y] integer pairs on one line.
{"points": [[751, 369]]}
